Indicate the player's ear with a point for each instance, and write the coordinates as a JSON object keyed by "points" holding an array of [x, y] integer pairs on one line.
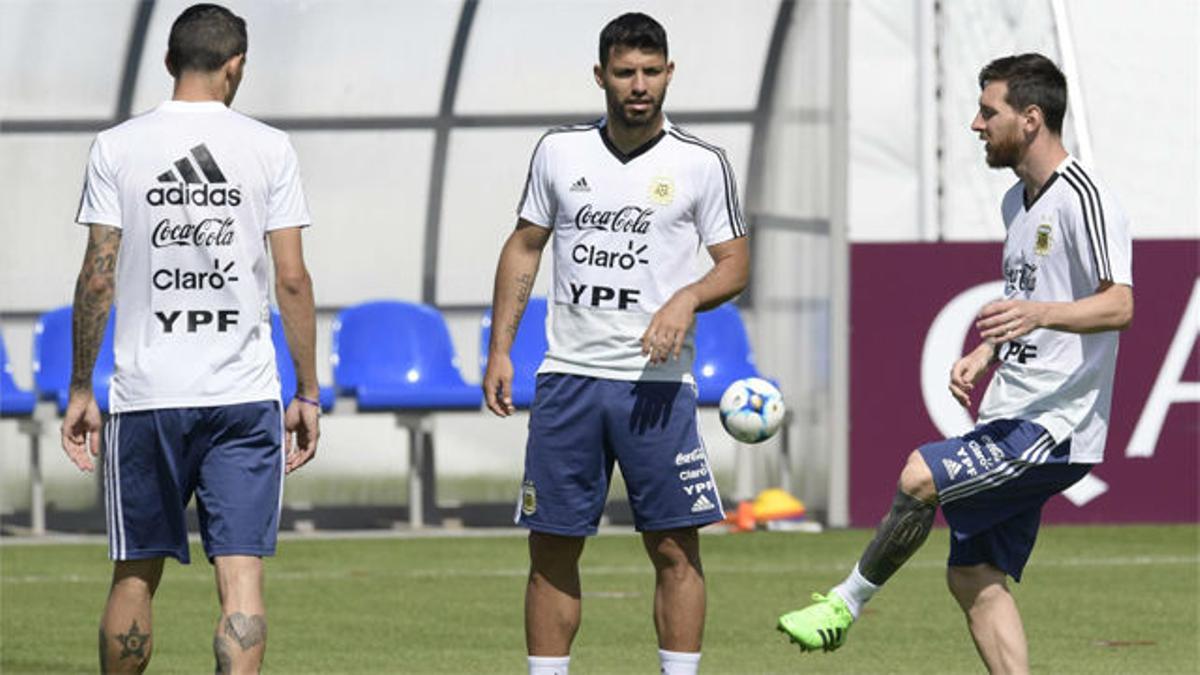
{"points": [[167, 63], [1034, 118], [598, 72], [670, 70]]}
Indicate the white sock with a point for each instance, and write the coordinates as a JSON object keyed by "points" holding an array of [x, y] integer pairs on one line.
{"points": [[856, 591], [679, 663], [549, 665]]}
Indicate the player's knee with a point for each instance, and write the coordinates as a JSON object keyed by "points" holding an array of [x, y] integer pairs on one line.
{"points": [[137, 576], [973, 584], [551, 551], [916, 479], [674, 552]]}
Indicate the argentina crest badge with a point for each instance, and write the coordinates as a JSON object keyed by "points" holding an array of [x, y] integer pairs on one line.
{"points": [[662, 190], [1043, 240], [528, 498]]}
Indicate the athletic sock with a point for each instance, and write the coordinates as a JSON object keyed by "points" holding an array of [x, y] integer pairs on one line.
{"points": [[678, 663], [549, 665], [856, 591]]}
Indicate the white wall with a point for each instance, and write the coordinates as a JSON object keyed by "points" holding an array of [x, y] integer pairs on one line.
{"points": [[1138, 79]]}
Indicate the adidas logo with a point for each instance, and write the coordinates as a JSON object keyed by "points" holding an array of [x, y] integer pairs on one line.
{"points": [[952, 467], [581, 185], [188, 188], [703, 504]]}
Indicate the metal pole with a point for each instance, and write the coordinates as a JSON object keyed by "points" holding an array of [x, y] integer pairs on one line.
{"points": [[416, 451], [839, 300]]}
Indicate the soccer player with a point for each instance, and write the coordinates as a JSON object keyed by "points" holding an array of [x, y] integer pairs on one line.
{"points": [[1044, 418], [181, 203], [629, 198]]}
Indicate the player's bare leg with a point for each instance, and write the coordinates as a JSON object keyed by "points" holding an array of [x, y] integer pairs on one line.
{"points": [[241, 635], [825, 624], [125, 638], [992, 616], [679, 596], [552, 595]]}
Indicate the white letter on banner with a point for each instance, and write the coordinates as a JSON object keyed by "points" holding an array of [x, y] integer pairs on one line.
{"points": [[1169, 387], [943, 346]]}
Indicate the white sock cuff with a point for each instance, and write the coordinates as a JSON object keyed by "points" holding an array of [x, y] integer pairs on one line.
{"points": [[549, 665], [679, 663]]}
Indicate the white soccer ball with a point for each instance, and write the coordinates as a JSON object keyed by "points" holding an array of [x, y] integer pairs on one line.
{"points": [[752, 410]]}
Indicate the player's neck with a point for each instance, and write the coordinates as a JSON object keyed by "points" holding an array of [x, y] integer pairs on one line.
{"points": [[627, 138], [196, 87], [1039, 164]]}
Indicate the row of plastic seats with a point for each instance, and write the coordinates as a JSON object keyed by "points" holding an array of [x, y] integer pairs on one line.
{"points": [[387, 355], [392, 355], [52, 367]]}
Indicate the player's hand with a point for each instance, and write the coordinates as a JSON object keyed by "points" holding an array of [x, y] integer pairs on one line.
{"points": [[81, 430], [965, 373], [497, 385], [668, 328], [1005, 320], [302, 428]]}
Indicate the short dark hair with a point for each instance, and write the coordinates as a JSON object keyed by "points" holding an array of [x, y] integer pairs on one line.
{"points": [[632, 29], [203, 38], [1032, 79]]}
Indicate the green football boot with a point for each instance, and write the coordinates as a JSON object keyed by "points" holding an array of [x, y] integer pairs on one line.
{"points": [[822, 625]]}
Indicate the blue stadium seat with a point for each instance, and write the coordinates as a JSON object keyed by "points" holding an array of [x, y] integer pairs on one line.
{"points": [[14, 401], [527, 351], [287, 371], [723, 353], [52, 359], [397, 356]]}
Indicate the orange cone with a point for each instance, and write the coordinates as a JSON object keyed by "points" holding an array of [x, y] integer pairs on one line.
{"points": [[745, 516]]}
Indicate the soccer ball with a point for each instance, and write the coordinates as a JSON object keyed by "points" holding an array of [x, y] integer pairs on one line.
{"points": [[752, 410]]}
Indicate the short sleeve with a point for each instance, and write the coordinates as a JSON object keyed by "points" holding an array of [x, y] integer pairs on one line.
{"points": [[538, 204], [286, 206], [718, 212], [100, 202], [1099, 230]]}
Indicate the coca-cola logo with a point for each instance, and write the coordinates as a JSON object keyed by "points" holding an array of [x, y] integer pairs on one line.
{"points": [[627, 219], [208, 232]]}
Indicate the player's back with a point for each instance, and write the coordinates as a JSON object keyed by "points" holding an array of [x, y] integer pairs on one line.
{"points": [[194, 187]]}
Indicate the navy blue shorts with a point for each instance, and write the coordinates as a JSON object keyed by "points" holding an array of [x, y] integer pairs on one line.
{"points": [[580, 426], [992, 483], [230, 456]]}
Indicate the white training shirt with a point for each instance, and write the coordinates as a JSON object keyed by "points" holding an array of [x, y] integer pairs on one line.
{"points": [[194, 187], [1059, 249], [627, 229]]}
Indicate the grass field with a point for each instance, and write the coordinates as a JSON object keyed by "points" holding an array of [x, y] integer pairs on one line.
{"points": [[1095, 600]]}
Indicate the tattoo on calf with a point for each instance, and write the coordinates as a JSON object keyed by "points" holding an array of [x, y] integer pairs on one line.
{"points": [[248, 631], [133, 643], [224, 653], [103, 651]]}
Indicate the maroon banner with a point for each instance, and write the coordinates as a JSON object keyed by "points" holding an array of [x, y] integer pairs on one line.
{"points": [[911, 315]]}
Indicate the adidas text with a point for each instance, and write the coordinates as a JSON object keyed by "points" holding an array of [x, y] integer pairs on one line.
{"points": [[200, 195]]}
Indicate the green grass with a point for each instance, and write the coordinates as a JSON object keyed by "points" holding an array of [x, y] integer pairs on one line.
{"points": [[453, 605]]}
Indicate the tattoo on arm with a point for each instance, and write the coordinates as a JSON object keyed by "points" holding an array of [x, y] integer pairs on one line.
{"points": [[524, 288], [93, 298]]}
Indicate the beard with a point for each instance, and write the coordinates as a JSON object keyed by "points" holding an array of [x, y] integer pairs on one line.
{"points": [[1003, 153], [617, 109]]}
